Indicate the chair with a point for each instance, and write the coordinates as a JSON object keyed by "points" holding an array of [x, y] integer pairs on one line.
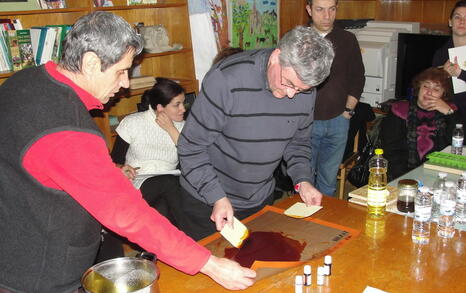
{"points": [[347, 165]]}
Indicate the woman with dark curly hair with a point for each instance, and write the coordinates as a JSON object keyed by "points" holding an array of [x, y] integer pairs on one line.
{"points": [[420, 126]]}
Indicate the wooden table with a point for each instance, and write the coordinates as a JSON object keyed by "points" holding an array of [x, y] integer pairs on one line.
{"points": [[382, 256]]}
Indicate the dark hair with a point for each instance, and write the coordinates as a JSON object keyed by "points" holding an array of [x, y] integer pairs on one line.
{"points": [[225, 52], [458, 4], [436, 75], [162, 93], [309, 2]]}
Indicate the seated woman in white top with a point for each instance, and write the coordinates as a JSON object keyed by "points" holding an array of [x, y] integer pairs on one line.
{"points": [[145, 148]]}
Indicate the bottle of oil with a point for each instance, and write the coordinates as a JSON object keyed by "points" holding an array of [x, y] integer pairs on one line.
{"points": [[377, 192]]}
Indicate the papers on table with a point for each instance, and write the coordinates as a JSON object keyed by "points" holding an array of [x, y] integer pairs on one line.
{"points": [[300, 210], [370, 289], [140, 178], [459, 85]]}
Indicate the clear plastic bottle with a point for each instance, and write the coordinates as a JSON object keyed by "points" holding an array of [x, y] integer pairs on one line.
{"points": [[457, 140], [446, 221], [437, 189], [422, 214], [460, 212], [377, 192]]}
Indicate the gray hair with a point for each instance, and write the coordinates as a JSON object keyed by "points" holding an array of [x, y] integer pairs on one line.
{"points": [[108, 35], [307, 53]]}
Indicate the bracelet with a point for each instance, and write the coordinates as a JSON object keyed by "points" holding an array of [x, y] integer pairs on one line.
{"points": [[297, 186], [450, 111]]}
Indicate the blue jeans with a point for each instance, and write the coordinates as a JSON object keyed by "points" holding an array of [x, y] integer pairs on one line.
{"points": [[328, 141]]}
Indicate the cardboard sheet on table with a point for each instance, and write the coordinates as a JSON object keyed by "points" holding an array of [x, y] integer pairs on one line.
{"points": [[321, 238]]}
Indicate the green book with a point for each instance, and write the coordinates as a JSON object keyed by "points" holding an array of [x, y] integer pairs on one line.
{"points": [[13, 45], [62, 30], [25, 48]]}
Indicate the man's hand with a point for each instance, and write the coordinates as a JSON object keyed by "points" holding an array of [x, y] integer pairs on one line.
{"points": [[222, 213], [228, 273], [309, 194]]}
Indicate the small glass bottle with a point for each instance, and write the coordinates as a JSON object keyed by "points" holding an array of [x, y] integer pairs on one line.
{"points": [[320, 276], [328, 265], [307, 275], [407, 190], [298, 284]]}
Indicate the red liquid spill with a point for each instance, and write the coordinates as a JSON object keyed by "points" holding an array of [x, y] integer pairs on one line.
{"points": [[266, 246]]}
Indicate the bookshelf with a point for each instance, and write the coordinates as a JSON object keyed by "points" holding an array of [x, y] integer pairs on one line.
{"points": [[178, 65]]}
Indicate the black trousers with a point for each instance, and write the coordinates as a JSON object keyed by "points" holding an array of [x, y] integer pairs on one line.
{"points": [[193, 217], [160, 192]]}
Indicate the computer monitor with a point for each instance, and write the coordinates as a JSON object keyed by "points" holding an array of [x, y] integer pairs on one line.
{"points": [[415, 53]]}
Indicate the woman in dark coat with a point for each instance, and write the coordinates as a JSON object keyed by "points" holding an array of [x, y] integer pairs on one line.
{"points": [[420, 126]]}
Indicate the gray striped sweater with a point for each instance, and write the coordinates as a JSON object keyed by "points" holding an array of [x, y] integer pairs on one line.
{"points": [[238, 132]]}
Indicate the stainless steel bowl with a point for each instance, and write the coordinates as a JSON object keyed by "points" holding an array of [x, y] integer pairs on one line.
{"points": [[122, 275]]}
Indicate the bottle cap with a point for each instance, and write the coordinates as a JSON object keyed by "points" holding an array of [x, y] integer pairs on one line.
{"points": [[407, 183], [320, 271], [442, 174], [298, 280], [424, 189], [307, 269], [328, 259], [378, 151]]}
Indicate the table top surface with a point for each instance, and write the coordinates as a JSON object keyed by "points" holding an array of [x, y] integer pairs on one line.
{"points": [[381, 256]]}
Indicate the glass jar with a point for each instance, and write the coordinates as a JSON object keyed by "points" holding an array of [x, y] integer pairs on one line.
{"points": [[407, 190]]}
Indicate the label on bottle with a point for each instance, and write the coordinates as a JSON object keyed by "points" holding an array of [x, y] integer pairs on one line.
{"points": [[447, 207], [377, 198], [422, 213], [436, 197], [461, 196], [457, 142]]}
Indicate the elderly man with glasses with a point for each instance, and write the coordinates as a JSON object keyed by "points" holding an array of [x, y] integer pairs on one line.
{"points": [[255, 108]]}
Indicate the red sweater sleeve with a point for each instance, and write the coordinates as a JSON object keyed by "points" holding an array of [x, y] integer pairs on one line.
{"points": [[79, 164]]}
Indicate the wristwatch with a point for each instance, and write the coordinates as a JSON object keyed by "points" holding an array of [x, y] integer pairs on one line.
{"points": [[350, 111]]}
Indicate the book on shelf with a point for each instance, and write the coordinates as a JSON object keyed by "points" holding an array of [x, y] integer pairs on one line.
{"points": [[140, 2], [141, 82], [13, 46], [52, 4], [62, 30], [25, 48], [4, 54]]}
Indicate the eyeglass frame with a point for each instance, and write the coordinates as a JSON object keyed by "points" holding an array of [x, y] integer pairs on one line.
{"points": [[290, 85]]}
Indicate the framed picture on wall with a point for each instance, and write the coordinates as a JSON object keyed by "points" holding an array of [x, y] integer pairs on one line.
{"points": [[253, 24]]}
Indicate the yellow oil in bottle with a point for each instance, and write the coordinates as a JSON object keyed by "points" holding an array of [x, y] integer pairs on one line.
{"points": [[377, 192]]}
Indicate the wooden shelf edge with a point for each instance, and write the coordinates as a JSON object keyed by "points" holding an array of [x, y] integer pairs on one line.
{"points": [[42, 11], [142, 6], [166, 53]]}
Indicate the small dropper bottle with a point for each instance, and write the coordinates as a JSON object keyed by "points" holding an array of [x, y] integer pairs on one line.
{"points": [[328, 265], [320, 276], [298, 284], [307, 275]]}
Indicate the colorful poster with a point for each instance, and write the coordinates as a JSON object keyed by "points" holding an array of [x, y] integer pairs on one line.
{"points": [[253, 24], [218, 14]]}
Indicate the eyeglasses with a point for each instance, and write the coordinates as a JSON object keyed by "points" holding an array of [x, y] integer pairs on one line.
{"points": [[287, 82]]}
